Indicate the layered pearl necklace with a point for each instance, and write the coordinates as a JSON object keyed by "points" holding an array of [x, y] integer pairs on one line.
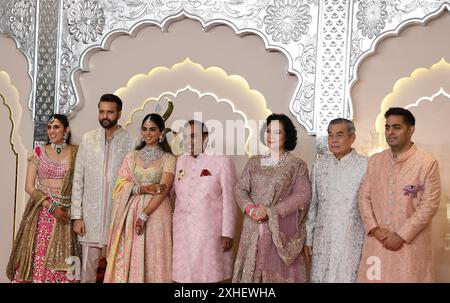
{"points": [[268, 161], [149, 154]]}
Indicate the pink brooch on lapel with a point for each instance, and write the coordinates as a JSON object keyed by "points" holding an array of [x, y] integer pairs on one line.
{"points": [[412, 190], [204, 173]]}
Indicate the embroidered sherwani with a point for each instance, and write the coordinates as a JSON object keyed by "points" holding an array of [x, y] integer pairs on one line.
{"points": [[334, 227], [205, 211], [96, 169], [385, 202]]}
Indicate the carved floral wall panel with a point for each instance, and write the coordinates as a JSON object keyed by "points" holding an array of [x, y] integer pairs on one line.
{"points": [[324, 41]]}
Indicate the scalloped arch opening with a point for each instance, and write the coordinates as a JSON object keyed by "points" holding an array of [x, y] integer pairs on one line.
{"points": [[195, 90], [416, 46], [151, 47]]}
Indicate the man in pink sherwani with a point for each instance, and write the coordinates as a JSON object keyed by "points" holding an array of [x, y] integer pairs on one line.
{"points": [[398, 199], [205, 212]]}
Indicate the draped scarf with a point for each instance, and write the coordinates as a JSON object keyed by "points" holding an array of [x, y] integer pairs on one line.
{"points": [[288, 249]]}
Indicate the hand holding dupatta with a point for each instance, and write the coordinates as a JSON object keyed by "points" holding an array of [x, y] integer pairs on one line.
{"points": [[61, 215]]}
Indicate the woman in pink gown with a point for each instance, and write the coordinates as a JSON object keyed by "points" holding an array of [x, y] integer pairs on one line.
{"points": [[45, 248], [140, 240]]}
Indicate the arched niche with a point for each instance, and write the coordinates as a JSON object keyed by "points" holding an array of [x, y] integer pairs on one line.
{"points": [[16, 128], [150, 47], [230, 108], [12, 161]]}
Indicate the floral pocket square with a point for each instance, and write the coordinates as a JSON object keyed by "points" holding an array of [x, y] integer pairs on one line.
{"points": [[412, 190], [205, 173]]}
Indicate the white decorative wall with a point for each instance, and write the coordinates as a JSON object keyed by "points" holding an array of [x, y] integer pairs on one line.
{"points": [[324, 41], [313, 59]]}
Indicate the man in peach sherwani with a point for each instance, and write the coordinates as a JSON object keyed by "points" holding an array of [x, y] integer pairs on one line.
{"points": [[399, 197], [205, 212]]}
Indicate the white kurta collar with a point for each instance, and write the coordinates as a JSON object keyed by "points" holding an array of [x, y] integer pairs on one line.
{"points": [[346, 159]]}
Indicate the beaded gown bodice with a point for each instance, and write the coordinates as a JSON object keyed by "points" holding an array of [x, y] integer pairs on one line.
{"points": [[151, 174], [48, 168]]}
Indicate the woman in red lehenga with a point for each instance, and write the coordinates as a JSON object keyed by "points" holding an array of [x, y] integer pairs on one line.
{"points": [[45, 240]]}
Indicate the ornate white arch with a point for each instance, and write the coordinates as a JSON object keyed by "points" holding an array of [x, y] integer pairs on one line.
{"points": [[253, 110], [324, 41], [244, 17], [18, 21], [404, 84], [413, 15]]}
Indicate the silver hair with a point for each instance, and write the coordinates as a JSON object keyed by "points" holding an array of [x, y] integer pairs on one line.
{"points": [[350, 126]]}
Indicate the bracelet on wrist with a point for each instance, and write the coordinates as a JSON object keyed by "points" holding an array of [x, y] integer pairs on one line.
{"points": [[249, 209], [52, 207], [136, 189], [143, 216]]}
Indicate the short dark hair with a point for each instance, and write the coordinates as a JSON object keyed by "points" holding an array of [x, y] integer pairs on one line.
{"points": [[289, 129], [202, 124], [408, 117], [111, 98]]}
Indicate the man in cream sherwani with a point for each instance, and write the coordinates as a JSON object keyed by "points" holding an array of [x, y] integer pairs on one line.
{"points": [[334, 230], [98, 160]]}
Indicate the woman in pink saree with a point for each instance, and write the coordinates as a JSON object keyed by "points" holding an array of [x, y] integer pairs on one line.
{"points": [[274, 193], [140, 240]]}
